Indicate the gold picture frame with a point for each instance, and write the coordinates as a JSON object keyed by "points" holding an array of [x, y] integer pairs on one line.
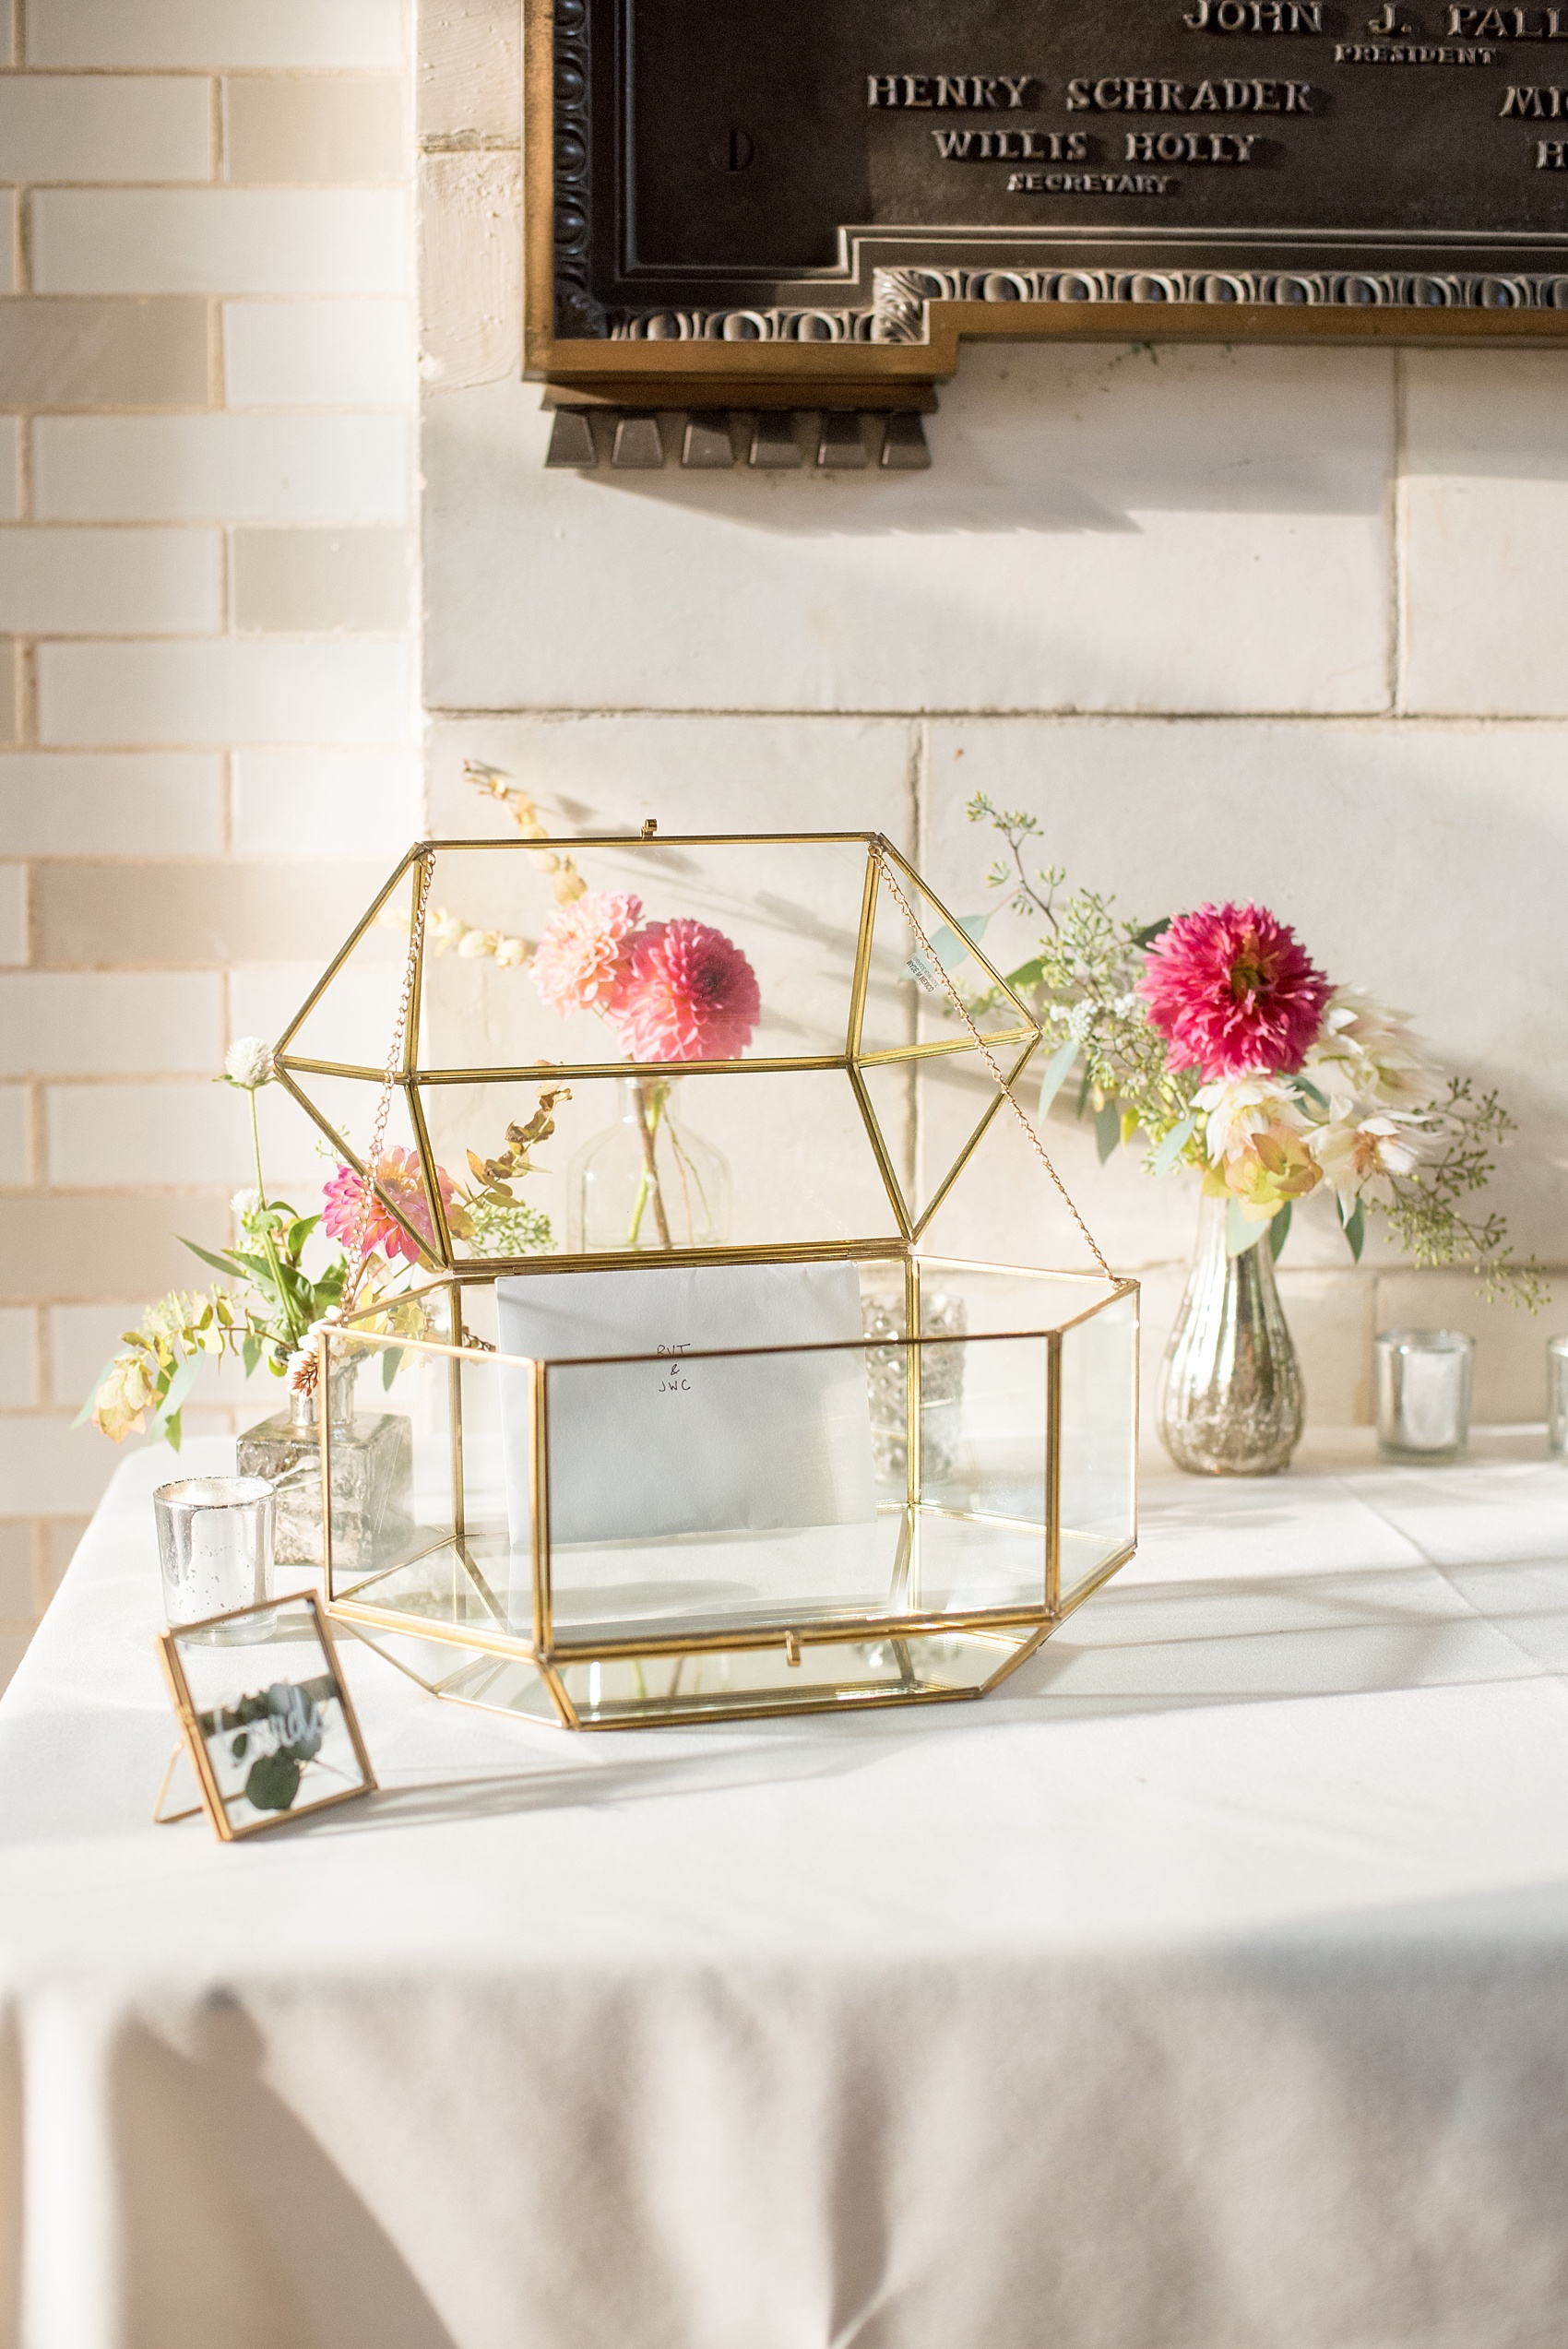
{"points": [[297, 1723]]}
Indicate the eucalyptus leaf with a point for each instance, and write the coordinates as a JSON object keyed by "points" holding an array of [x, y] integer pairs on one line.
{"points": [[272, 1783], [1057, 1070], [1146, 936], [1240, 1235], [165, 1422], [1356, 1228], [250, 1351], [1170, 1149], [85, 1413], [1028, 974], [1319, 1100], [1279, 1231], [391, 1358], [1108, 1129]]}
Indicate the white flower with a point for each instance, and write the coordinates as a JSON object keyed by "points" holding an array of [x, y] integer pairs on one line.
{"points": [[1235, 1109], [1366, 1052], [1359, 1159], [249, 1062], [247, 1205]]}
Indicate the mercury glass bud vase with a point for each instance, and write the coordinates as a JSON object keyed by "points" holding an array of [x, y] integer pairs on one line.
{"points": [[1230, 1400], [648, 1182]]}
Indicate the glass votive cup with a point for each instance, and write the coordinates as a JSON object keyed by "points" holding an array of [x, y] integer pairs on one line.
{"points": [[1423, 1392], [214, 1544], [1557, 1398]]}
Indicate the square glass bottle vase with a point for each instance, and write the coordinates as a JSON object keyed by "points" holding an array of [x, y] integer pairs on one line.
{"points": [[372, 1478]]}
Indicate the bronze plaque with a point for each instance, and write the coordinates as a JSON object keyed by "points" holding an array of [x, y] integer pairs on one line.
{"points": [[797, 173]]}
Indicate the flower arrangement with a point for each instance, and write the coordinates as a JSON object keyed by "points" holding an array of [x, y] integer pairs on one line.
{"points": [[272, 1314], [1215, 1037], [672, 991]]}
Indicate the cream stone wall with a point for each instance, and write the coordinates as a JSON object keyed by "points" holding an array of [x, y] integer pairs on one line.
{"points": [[209, 736], [1264, 622]]}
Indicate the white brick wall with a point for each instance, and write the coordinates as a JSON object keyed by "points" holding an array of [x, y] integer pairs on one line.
{"points": [[207, 747]]}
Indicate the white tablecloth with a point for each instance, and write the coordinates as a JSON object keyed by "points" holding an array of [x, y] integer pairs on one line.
{"points": [[1206, 1989]]}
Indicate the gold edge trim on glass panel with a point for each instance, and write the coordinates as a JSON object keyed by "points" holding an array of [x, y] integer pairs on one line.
{"points": [[349, 1069], [539, 1505], [431, 1182], [1053, 1472], [1031, 1647], [936, 1258], [1092, 1583], [455, 1408], [324, 1445], [506, 1646], [814, 1631], [556, 1689], [652, 843], [885, 1166], [914, 1463], [999, 1093], [943, 1048], [476, 1573], [861, 975], [582, 1071], [842, 1697], [362, 928]]}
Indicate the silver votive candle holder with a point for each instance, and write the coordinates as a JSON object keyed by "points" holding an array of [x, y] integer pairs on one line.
{"points": [[1424, 1379], [214, 1545], [1557, 1398]]}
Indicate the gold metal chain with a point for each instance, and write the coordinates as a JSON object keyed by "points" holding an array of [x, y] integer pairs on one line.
{"points": [[1013, 1103], [393, 1056]]}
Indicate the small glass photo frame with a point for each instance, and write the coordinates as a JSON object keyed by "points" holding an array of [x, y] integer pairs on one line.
{"points": [[266, 1722]]}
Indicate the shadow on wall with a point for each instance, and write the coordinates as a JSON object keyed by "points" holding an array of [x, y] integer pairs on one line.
{"points": [[1252, 443]]}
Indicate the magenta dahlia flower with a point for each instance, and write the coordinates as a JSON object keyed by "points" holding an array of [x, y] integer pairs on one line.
{"points": [[399, 1177], [690, 994], [581, 961], [1233, 989]]}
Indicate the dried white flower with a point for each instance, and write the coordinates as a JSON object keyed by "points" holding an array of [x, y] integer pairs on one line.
{"points": [[247, 1205], [249, 1062]]}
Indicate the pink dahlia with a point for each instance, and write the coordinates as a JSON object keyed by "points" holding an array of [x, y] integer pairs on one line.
{"points": [[398, 1175], [581, 960], [689, 995], [1234, 990]]}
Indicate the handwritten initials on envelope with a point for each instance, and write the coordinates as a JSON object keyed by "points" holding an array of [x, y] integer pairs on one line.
{"points": [[679, 1444]]}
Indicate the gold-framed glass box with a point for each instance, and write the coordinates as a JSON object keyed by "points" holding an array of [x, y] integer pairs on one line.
{"points": [[836, 1466]]}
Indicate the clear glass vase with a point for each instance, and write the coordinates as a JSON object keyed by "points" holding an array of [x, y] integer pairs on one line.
{"points": [[648, 1181], [1230, 1399], [373, 1473]]}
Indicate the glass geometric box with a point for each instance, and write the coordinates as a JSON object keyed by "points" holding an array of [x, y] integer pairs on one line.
{"points": [[748, 1442]]}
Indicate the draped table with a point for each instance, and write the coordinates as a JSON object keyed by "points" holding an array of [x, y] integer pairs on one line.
{"points": [[1207, 1988]]}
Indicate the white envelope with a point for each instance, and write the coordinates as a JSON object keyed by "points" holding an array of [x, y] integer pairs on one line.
{"points": [[678, 1446]]}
